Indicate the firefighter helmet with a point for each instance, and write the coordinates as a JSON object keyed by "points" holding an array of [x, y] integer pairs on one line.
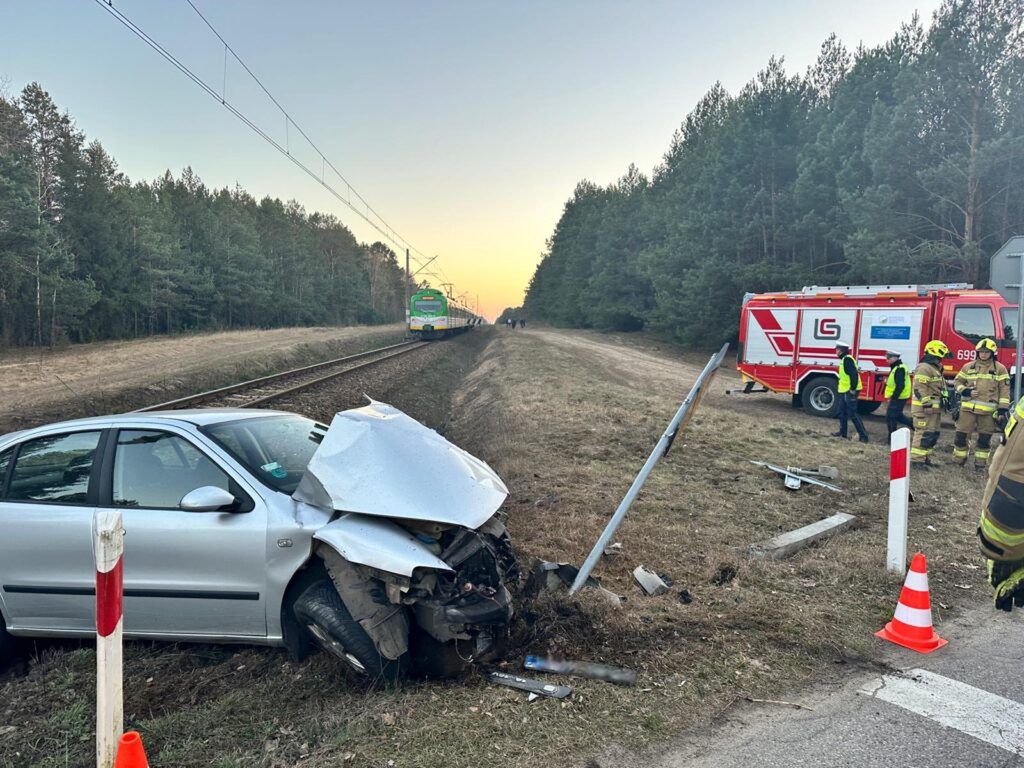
{"points": [[936, 348], [986, 344]]}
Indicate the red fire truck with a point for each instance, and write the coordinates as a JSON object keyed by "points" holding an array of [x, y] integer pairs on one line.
{"points": [[787, 340]]}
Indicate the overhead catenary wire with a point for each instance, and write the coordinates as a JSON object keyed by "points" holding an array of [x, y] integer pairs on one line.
{"points": [[370, 215]]}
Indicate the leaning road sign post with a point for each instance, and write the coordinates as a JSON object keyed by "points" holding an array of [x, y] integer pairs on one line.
{"points": [[108, 548], [677, 425], [1006, 274], [899, 498]]}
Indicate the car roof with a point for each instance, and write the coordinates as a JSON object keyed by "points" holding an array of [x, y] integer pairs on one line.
{"points": [[199, 417]]}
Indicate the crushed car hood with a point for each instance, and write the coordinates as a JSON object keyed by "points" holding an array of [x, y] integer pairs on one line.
{"points": [[376, 460]]}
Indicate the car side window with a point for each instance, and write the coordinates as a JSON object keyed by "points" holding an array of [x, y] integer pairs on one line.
{"points": [[54, 469], [155, 469], [974, 323]]}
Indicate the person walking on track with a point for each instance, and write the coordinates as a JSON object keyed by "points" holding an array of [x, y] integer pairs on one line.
{"points": [[849, 392], [984, 388], [929, 390], [897, 391]]}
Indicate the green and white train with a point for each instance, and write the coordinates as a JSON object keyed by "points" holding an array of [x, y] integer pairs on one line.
{"points": [[432, 315]]}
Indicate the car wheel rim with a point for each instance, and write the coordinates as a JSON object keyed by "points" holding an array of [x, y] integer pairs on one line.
{"points": [[822, 398], [335, 648]]}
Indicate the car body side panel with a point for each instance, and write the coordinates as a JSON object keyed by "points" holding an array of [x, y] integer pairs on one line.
{"points": [[51, 588], [378, 543]]}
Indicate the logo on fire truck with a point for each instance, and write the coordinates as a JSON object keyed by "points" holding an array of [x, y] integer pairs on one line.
{"points": [[826, 328]]}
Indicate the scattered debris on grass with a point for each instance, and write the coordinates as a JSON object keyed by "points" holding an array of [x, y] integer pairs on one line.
{"points": [[530, 686], [650, 582], [617, 675], [795, 477], [724, 575], [613, 549]]}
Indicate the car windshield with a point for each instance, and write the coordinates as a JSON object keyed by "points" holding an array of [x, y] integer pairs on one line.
{"points": [[276, 449]]}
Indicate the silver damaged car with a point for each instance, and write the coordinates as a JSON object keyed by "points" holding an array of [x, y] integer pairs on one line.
{"points": [[375, 538]]}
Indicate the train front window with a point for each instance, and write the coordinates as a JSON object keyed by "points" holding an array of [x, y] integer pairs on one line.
{"points": [[428, 306]]}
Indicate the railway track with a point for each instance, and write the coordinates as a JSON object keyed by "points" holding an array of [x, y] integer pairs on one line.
{"points": [[257, 392]]}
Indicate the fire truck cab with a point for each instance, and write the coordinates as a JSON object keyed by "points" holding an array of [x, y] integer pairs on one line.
{"points": [[787, 340]]}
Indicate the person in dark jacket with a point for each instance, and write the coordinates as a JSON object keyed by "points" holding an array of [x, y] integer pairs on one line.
{"points": [[849, 393], [898, 389]]}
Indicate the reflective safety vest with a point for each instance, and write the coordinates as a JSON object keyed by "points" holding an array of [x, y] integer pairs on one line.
{"points": [[845, 381], [890, 383]]}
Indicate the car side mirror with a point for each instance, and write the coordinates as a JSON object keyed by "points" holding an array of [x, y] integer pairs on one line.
{"points": [[209, 498]]}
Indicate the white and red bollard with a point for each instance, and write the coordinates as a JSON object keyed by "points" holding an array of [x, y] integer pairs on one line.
{"points": [[108, 548], [899, 500]]}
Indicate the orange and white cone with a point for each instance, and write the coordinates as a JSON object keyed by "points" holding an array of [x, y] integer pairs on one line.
{"points": [[911, 626], [130, 752]]}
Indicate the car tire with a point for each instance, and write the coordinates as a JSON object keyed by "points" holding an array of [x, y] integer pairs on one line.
{"points": [[820, 396], [322, 614], [867, 406]]}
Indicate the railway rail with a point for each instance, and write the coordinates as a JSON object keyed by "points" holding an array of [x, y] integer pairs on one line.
{"points": [[260, 391]]}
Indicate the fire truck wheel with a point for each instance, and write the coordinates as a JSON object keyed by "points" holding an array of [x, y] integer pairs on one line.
{"points": [[867, 406], [820, 397]]}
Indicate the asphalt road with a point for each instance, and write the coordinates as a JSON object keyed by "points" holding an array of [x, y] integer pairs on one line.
{"points": [[957, 707]]}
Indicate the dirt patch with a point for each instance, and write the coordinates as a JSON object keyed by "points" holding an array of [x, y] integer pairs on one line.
{"points": [[566, 419], [90, 379]]}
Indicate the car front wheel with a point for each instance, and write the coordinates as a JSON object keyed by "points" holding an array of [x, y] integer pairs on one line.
{"points": [[321, 612]]}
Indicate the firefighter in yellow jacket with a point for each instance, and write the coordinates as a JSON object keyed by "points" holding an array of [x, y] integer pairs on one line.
{"points": [[929, 390], [984, 388], [1001, 529]]}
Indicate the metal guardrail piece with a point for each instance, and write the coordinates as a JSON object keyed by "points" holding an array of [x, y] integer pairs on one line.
{"points": [[675, 426]]}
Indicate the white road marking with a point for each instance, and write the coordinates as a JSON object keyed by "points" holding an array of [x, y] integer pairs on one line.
{"points": [[970, 710]]}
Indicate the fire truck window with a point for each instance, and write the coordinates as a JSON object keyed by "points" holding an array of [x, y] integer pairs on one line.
{"points": [[974, 323], [1008, 318]]}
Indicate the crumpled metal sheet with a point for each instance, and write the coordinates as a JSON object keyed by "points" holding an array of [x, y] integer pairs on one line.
{"points": [[376, 460], [368, 540]]}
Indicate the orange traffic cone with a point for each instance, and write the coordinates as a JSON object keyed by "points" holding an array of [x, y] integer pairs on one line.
{"points": [[130, 753], [911, 626]]}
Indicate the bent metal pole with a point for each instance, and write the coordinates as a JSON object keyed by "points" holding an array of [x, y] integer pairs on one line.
{"points": [[108, 548], [675, 426]]}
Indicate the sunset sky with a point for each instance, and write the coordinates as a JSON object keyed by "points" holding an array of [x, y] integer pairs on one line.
{"points": [[466, 125]]}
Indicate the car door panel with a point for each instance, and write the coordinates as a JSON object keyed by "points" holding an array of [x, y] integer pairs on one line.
{"points": [[185, 573], [47, 573]]}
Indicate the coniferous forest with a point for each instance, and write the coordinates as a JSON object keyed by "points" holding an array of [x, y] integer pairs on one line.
{"points": [[87, 254], [901, 163]]}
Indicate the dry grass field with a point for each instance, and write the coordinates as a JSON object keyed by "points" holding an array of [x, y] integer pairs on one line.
{"points": [[39, 385]]}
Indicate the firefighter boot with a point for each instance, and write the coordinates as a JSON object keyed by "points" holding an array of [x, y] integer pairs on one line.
{"points": [[982, 451], [960, 448]]}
